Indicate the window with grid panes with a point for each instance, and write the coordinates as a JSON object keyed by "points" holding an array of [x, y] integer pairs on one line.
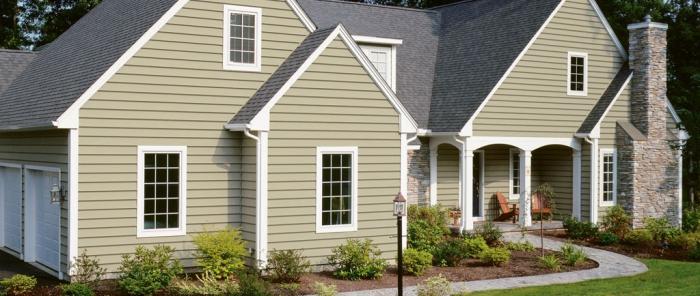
{"points": [[337, 189], [161, 192], [608, 176]]}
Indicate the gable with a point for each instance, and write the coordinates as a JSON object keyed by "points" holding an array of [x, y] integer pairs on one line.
{"points": [[621, 111], [533, 99]]}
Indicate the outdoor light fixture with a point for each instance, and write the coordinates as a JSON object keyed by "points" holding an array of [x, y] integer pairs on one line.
{"points": [[399, 212], [57, 193]]}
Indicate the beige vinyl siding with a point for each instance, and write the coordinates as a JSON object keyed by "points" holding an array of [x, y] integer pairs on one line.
{"points": [[553, 165], [585, 181], [496, 178], [249, 190], [533, 100], [41, 148], [620, 111], [174, 91], [448, 176], [334, 104]]}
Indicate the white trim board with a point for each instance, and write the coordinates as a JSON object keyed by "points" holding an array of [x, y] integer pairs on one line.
{"points": [[228, 65], [569, 91], [377, 40], [601, 175], [73, 155], [320, 151]]}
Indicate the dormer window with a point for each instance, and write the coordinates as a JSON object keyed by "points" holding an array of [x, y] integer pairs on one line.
{"points": [[242, 38], [381, 52], [577, 79]]}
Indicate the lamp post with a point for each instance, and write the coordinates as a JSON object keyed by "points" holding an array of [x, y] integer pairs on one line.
{"points": [[399, 212]]}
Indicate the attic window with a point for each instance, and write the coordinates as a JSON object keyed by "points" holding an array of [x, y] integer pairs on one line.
{"points": [[242, 38], [577, 78]]}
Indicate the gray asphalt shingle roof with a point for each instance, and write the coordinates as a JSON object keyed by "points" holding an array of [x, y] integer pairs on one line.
{"points": [[605, 100], [281, 76], [66, 68], [13, 63]]}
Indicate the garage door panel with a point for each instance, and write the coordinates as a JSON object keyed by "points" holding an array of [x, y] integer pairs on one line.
{"points": [[44, 217], [11, 208]]}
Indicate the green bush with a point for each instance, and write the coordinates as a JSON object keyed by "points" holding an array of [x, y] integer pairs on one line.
{"points": [[694, 254], [76, 289], [495, 256], [473, 246], [148, 270], [520, 247], [580, 230], [433, 215], [435, 286], [221, 253], [206, 284], [289, 289], [639, 237], [550, 262], [685, 240], [250, 284], [18, 284], [357, 260], [617, 221], [287, 266], [660, 229], [606, 238], [87, 270], [490, 233], [450, 253], [322, 289], [416, 262], [572, 255], [691, 220], [424, 236]]}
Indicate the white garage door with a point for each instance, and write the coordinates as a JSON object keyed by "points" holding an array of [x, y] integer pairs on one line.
{"points": [[11, 207], [42, 217]]}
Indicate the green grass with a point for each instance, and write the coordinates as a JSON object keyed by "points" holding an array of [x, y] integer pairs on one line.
{"points": [[663, 278]]}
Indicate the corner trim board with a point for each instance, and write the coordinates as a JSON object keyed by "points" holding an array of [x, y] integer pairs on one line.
{"points": [[73, 161]]}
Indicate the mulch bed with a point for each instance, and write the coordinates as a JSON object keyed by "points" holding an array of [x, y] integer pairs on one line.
{"points": [[521, 264]]}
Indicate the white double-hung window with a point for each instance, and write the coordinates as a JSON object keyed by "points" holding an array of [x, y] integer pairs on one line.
{"points": [[336, 189], [162, 190], [242, 38], [577, 78], [514, 174], [608, 177]]}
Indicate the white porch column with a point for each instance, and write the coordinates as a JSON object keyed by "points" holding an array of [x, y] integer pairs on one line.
{"points": [[433, 173], [525, 188], [594, 181], [576, 193], [467, 188]]}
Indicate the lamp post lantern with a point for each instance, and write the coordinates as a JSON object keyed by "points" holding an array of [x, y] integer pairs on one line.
{"points": [[399, 212]]}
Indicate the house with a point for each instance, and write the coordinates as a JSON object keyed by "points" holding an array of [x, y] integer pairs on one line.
{"points": [[297, 121]]}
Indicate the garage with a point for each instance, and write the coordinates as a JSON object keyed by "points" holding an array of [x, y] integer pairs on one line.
{"points": [[42, 217], [11, 207]]}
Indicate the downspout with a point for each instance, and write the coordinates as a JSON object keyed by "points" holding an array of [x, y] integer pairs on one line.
{"points": [[260, 196]]}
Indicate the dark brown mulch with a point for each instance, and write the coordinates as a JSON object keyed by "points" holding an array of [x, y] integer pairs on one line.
{"points": [[643, 252], [521, 264]]}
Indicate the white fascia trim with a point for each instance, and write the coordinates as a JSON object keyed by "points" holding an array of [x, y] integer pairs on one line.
{"points": [[570, 92], [601, 167], [243, 67], [302, 15], [320, 151], [261, 121], [73, 154], [511, 195], [236, 127], [69, 118], [377, 40], [180, 231], [608, 28], [596, 129], [467, 129], [683, 134]]}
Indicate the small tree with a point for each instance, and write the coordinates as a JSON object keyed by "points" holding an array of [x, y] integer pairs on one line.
{"points": [[546, 197]]}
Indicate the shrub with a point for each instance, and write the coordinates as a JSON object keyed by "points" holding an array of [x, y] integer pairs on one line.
{"points": [[148, 270], [691, 220], [606, 238], [495, 256], [416, 262], [520, 247], [685, 241], [660, 229], [220, 253], [572, 255], [322, 289], [435, 286], [617, 221], [76, 289], [250, 284], [639, 237], [695, 253], [424, 236], [550, 262], [474, 246], [450, 253], [287, 266], [206, 284], [490, 233], [357, 260], [289, 289], [580, 230], [87, 270], [18, 284], [433, 215]]}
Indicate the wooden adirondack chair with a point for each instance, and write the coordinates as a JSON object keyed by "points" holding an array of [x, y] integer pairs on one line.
{"points": [[507, 211], [537, 200]]}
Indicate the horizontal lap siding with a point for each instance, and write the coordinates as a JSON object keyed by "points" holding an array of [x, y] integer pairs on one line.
{"points": [[334, 103], [620, 111], [175, 92], [533, 101], [554, 166], [497, 174], [448, 176], [585, 181], [44, 148]]}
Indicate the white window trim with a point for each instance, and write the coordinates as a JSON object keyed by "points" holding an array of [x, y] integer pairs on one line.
{"points": [[511, 195], [391, 50], [228, 65], [182, 230], [585, 74], [601, 176], [320, 151]]}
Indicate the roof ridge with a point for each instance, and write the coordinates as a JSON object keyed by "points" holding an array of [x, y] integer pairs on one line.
{"points": [[16, 50], [451, 4], [381, 6]]}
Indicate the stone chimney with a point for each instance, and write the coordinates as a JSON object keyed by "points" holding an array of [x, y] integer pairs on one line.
{"points": [[647, 164]]}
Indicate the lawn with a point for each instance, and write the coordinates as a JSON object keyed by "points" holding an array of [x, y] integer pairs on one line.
{"points": [[664, 278]]}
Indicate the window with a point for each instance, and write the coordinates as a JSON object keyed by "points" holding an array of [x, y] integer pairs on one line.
{"points": [[242, 38], [161, 190], [577, 79], [608, 177], [514, 174], [336, 189], [382, 57]]}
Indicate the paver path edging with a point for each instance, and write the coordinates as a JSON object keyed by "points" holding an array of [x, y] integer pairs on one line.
{"points": [[610, 265]]}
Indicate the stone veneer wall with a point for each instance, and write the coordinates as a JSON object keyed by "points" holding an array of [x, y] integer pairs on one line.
{"points": [[648, 168], [419, 174]]}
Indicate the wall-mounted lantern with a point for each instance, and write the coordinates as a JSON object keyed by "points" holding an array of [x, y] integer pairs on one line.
{"points": [[58, 193]]}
